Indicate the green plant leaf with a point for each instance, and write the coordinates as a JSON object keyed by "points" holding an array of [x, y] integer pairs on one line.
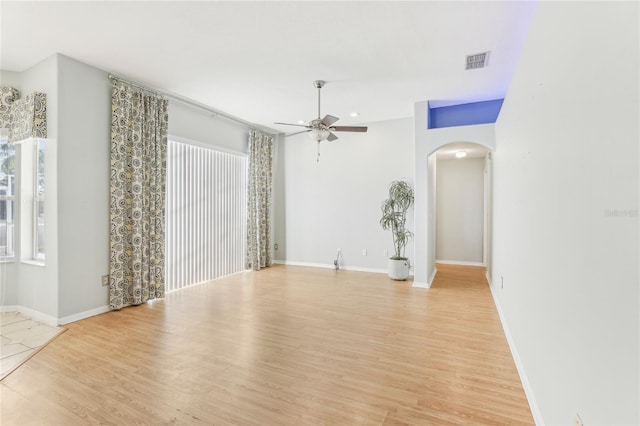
{"points": [[394, 214]]}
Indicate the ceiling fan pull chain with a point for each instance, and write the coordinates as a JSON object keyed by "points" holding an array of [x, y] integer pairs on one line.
{"points": [[318, 157]]}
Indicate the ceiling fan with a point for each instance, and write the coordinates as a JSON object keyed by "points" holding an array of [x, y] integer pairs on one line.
{"points": [[322, 129]]}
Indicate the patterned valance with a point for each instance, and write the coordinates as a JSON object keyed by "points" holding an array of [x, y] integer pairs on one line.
{"points": [[29, 117], [8, 95]]}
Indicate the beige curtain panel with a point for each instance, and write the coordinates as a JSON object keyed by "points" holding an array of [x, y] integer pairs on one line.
{"points": [[137, 207], [259, 205]]}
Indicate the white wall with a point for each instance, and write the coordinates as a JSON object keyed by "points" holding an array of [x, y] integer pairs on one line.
{"points": [[336, 203], [37, 285], [11, 78], [566, 196], [79, 119], [278, 199], [198, 125], [488, 215], [84, 112], [460, 210], [428, 212]]}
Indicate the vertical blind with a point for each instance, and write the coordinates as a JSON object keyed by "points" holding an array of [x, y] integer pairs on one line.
{"points": [[206, 214]]}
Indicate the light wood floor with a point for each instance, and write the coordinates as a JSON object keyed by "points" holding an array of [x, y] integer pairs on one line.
{"points": [[283, 346]]}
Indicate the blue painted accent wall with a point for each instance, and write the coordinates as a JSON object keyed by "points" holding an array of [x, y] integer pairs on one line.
{"points": [[465, 114]]}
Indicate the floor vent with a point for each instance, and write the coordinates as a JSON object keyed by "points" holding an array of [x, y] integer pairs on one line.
{"points": [[478, 60]]}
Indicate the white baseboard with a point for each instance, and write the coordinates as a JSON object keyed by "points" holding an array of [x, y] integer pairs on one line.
{"points": [[52, 321], [307, 264], [328, 266], [32, 313], [372, 270], [458, 262], [82, 315], [429, 282], [432, 277], [8, 308], [528, 390]]}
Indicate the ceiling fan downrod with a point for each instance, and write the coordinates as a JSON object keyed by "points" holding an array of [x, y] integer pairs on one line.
{"points": [[318, 84]]}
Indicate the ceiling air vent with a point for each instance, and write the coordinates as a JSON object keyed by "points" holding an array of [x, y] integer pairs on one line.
{"points": [[478, 60]]}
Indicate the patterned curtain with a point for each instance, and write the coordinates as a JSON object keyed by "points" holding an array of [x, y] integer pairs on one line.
{"points": [[23, 118], [29, 117], [8, 95], [259, 208], [138, 175]]}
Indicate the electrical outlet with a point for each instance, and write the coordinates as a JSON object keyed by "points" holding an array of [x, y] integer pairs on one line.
{"points": [[105, 280], [385, 253], [364, 252], [578, 421], [275, 246]]}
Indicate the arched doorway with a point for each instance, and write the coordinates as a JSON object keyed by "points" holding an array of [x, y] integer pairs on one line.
{"points": [[427, 142], [427, 239], [462, 204]]}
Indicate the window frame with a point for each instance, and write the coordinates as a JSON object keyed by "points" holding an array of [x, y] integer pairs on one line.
{"points": [[38, 199], [8, 203]]}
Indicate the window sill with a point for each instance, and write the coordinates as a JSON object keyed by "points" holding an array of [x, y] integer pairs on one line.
{"points": [[7, 259], [39, 263]]}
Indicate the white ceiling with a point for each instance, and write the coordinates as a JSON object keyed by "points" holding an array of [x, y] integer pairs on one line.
{"points": [[257, 60], [473, 150]]}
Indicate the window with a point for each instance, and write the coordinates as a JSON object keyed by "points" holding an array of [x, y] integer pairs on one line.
{"points": [[31, 168], [38, 200], [7, 197]]}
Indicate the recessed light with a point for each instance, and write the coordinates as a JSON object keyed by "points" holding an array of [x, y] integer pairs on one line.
{"points": [[461, 154], [300, 121], [355, 114]]}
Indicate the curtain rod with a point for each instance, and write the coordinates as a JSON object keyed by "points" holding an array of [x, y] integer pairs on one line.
{"points": [[136, 85], [193, 104]]}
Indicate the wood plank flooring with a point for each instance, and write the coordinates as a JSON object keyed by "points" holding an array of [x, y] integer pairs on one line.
{"points": [[283, 346]]}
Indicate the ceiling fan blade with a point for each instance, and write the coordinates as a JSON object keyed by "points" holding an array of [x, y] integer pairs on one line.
{"points": [[331, 137], [296, 133], [291, 124], [328, 120], [348, 128]]}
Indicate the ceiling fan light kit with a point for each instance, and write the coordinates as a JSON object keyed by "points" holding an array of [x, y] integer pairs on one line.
{"points": [[319, 134], [322, 129]]}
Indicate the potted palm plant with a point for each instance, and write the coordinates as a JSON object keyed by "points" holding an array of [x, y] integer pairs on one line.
{"points": [[394, 218]]}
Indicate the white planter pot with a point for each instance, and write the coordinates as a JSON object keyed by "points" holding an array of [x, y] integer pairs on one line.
{"points": [[399, 269]]}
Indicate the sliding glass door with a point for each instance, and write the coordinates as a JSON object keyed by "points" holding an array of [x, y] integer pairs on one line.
{"points": [[206, 214]]}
